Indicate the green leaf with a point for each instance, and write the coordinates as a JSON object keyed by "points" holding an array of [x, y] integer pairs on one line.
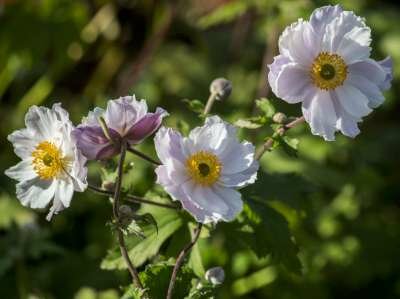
{"points": [[250, 123], [266, 106], [156, 278], [270, 235], [140, 250], [194, 105], [289, 145]]}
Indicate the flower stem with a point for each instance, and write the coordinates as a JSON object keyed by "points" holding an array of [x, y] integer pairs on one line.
{"points": [[135, 199], [281, 131], [210, 103], [122, 246], [181, 258], [143, 156]]}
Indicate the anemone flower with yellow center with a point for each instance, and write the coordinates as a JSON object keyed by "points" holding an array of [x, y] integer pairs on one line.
{"points": [[204, 170], [52, 168], [325, 64]]}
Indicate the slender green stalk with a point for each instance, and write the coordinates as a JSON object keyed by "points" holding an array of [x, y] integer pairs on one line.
{"points": [[180, 259], [121, 241], [143, 156], [281, 131], [135, 199], [210, 103]]}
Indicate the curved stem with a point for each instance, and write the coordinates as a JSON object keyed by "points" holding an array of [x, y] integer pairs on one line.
{"points": [[135, 199], [181, 258], [143, 156], [210, 103], [281, 131], [122, 246]]}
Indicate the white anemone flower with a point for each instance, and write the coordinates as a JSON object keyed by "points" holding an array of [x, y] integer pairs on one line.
{"points": [[204, 170], [52, 168], [325, 64]]}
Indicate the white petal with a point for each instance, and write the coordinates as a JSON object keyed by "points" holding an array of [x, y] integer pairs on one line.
{"points": [[239, 157], [369, 68], [320, 113], [93, 117], [124, 112], [241, 179], [299, 42], [353, 101], [275, 68], [206, 199], [233, 199], [42, 122], [24, 142], [64, 192], [352, 48], [368, 88], [293, 83], [168, 143], [36, 193], [337, 29], [323, 16], [23, 171]]}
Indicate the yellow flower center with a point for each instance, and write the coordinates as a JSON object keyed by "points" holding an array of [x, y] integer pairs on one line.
{"points": [[328, 71], [47, 160], [204, 167]]}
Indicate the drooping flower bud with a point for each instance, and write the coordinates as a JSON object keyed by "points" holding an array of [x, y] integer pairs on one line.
{"points": [[215, 275], [221, 87]]}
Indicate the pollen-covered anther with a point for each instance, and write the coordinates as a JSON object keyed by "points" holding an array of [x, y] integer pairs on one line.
{"points": [[204, 167], [47, 160], [328, 71]]}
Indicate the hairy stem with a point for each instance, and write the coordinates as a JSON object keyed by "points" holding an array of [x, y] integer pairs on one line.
{"points": [[143, 156], [121, 241], [210, 103], [181, 258], [134, 198], [281, 131]]}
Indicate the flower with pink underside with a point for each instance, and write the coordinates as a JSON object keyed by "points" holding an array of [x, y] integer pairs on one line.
{"points": [[325, 64], [127, 120]]}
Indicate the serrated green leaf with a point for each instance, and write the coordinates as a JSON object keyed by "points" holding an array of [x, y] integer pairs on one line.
{"points": [[266, 106], [156, 278], [139, 250], [270, 235]]}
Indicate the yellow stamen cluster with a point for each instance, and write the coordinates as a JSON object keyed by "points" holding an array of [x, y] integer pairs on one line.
{"points": [[328, 71], [47, 160], [204, 167]]}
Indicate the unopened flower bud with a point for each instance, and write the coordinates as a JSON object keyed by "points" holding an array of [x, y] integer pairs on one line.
{"points": [[125, 215], [221, 87], [108, 185], [125, 210], [215, 275], [279, 118]]}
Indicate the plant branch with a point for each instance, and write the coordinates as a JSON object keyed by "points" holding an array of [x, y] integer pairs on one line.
{"points": [[134, 198], [181, 258], [281, 131], [143, 156], [122, 246]]}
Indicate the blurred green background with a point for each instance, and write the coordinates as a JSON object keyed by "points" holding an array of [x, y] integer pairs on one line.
{"points": [[341, 199]]}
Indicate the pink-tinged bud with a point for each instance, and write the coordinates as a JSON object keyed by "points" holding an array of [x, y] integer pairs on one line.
{"points": [[125, 119]]}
